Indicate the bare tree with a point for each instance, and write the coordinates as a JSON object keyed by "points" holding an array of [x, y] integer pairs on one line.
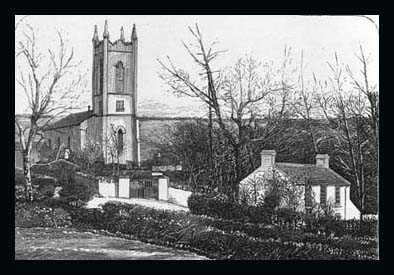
{"points": [[116, 146], [233, 95], [351, 114], [304, 104], [19, 22], [50, 87], [371, 93]]}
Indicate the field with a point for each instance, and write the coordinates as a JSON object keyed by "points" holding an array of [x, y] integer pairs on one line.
{"points": [[71, 244]]}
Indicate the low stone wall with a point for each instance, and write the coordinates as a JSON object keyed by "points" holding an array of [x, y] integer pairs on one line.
{"points": [[178, 196], [107, 188]]}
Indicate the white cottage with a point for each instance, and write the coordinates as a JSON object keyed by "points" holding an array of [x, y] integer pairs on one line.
{"points": [[317, 181]]}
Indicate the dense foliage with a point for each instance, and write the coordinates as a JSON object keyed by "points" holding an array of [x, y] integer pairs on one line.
{"points": [[38, 215], [188, 143], [69, 180], [219, 239], [219, 207]]}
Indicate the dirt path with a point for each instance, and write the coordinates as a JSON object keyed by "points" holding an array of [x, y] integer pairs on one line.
{"points": [[71, 244], [163, 205]]}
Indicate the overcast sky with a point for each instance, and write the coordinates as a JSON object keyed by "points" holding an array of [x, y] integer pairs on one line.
{"points": [[262, 36]]}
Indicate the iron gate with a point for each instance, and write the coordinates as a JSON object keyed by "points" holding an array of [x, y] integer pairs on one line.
{"points": [[143, 186]]}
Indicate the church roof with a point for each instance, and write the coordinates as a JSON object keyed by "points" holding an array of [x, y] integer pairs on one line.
{"points": [[316, 175], [71, 120]]}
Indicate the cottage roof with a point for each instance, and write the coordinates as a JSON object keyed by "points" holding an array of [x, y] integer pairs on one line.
{"points": [[71, 120], [316, 175]]}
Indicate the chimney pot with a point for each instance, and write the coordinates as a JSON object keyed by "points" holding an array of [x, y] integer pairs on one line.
{"points": [[88, 107], [322, 160], [267, 159]]}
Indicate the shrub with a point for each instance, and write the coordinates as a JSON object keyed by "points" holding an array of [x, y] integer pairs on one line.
{"points": [[82, 191], [35, 215], [20, 193], [220, 239], [219, 206]]}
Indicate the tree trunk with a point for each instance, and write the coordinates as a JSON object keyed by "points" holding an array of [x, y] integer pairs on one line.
{"points": [[58, 152], [235, 185], [313, 140], [27, 175], [118, 172]]}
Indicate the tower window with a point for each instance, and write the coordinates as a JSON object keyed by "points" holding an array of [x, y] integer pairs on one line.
{"points": [[119, 85], [120, 141], [101, 76], [119, 105], [97, 82], [100, 107]]}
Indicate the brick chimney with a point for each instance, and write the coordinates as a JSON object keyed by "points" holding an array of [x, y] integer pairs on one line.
{"points": [[267, 159], [322, 160]]}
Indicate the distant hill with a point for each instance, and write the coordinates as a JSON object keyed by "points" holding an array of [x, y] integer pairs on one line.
{"points": [[152, 108]]}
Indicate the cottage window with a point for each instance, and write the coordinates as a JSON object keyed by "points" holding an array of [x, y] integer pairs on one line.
{"points": [[119, 105], [323, 194], [308, 196], [119, 84], [337, 195]]}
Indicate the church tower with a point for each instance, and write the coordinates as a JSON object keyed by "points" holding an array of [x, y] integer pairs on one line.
{"points": [[114, 94]]}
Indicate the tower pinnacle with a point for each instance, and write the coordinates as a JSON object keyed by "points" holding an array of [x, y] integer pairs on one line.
{"points": [[106, 33], [121, 34], [134, 33], [95, 35]]}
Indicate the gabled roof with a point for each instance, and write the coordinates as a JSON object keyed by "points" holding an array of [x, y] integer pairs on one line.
{"points": [[315, 174], [70, 120]]}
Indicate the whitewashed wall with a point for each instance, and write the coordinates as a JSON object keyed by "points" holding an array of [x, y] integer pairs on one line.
{"points": [[163, 189], [352, 211], [346, 209], [316, 193], [124, 188], [178, 196], [107, 189]]}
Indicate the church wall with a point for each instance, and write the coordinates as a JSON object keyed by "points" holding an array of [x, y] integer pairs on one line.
{"points": [[125, 123], [63, 133], [93, 130]]}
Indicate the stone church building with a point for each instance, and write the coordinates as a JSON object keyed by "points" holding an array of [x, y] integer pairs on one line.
{"points": [[112, 121]]}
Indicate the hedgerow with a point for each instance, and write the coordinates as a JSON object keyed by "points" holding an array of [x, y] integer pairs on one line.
{"points": [[219, 239], [220, 207], [36, 215]]}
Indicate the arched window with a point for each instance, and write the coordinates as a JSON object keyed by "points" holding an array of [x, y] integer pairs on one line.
{"points": [[101, 68], [119, 79], [120, 140]]}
